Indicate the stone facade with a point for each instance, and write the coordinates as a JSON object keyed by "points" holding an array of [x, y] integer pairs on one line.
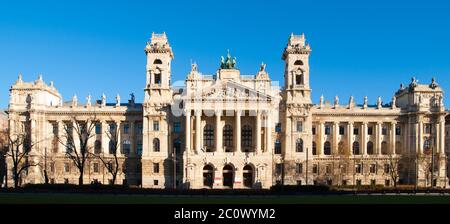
{"points": [[229, 130]]}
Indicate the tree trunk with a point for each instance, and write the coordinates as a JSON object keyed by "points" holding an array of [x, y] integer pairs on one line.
{"points": [[80, 179]]}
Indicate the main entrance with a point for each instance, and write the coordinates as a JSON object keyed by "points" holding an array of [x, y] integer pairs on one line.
{"points": [[248, 176], [208, 176], [228, 176]]}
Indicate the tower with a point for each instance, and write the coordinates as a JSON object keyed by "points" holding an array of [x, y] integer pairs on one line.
{"points": [[158, 97], [295, 114]]}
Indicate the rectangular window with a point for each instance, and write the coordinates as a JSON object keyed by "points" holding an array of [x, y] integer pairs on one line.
{"points": [[155, 167], [278, 168], [55, 129], [341, 130], [299, 183], [299, 168], [398, 130], [139, 147], [370, 130], [66, 180], [327, 169], [98, 128], [358, 168], [373, 168], [278, 128], [299, 126], [373, 182], [277, 147], [176, 127], [327, 129], [387, 168], [155, 182], [126, 128], [155, 125], [384, 130], [427, 128], [387, 182], [315, 168], [96, 168], [314, 130], [66, 167], [358, 182], [356, 131], [139, 128]]}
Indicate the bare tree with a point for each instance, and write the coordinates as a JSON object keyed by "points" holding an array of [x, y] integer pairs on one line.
{"points": [[78, 131], [425, 163], [394, 172], [4, 142], [19, 149], [111, 162]]}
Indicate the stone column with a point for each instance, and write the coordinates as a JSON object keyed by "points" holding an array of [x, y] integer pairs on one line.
{"points": [[441, 148], [321, 132], [198, 117], [187, 131], [237, 130], [132, 137], [119, 138], [60, 135], [393, 138], [364, 138], [268, 132], [105, 139], [218, 132], [350, 138], [258, 131], [378, 135], [419, 131], [335, 138]]}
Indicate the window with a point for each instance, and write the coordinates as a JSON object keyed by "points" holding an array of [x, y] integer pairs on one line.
{"points": [[112, 128], [358, 168], [156, 145], [370, 130], [112, 147], [126, 128], [139, 128], [299, 182], [398, 130], [66, 167], [299, 145], [66, 180], [384, 130], [139, 147], [298, 168], [299, 126], [176, 127], [314, 148], [299, 79], [356, 131], [315, 168], [387, 168], [155, 182], [356, 148], [228, 136], [277, 147], [208, 136], [327, 129], [98, 128], [426, 144], [96, 168], [327, 148], [246, 136], [298, 62], [157, 62], [314, 130], [278, 168], [427, 128], [278, 127], [155, 125], [373, 182], [384, 148], [387, 182], [157, 78], [341, 130], [327, 169], [155, 167], [126, 147], [55, 129], [97, 147], [373, 168], [358, 182], [370, 148]]}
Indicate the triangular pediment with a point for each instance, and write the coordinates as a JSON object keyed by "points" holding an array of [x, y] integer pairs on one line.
{"points": [[231, 90]]}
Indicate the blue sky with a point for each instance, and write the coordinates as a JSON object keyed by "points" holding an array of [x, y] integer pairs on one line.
{"points": [[359, 47]]}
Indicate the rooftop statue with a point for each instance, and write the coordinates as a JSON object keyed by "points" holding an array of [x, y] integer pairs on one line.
{"points": [[228, 63]]}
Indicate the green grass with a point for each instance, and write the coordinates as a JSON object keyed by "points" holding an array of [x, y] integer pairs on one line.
{"points": [[58, 198]]}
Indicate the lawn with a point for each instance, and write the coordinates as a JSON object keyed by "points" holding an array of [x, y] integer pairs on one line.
{"points": [[60, 198]]}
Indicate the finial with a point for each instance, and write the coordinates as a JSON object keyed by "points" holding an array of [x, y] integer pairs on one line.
{"points": [[19, 78], [51, 84], [40, 77]]}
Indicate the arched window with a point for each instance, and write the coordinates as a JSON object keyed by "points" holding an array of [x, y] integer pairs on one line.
{"points": [[126, 147], [247, 175], [298, 62], [208, 176], [299, 79], [327, 148], [157, 78], [426, 144], [98, 147], [356, 148], [299, 145], [398, 147], [228, 176], [277, 147], [227, 136], [112, 147], [370, 148], [384, 148], [156, 145], [314, 148], [208, 136], [157, 62], [246, 136]]}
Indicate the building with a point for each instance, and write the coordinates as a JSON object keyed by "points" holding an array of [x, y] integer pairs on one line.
{"points": [[229, 130]]}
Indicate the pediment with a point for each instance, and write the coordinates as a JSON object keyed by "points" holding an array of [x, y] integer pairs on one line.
{"points": [[231, 90]]}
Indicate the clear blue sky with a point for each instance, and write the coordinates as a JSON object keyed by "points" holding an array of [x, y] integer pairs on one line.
{"points": [[359, 48]]}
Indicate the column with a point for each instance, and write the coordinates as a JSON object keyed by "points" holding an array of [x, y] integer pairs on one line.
{"points": [[105, 139], [187, 131], [119, 138], [350, 137], [198, 116], [393, 136], [364, 138], [442, 136], [237, 130], [269, 133], [335, 138], [218, 132], [133, 137], [319, 145], [258, 131], [378, 137], [419, 131], [59, 146]]}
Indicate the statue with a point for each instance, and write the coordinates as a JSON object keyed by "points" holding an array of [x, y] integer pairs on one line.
{"points": [[379, 102], [52, 84], [433, 83], [103, 100], [228, 63], [441, 101], [74, 101], [88, 100], [401, 86], [117, 100], [336, 101], [394, 101], [321, 101], [263, 67], [365, 102], [132, 97], [351, 102], [19, 79], [194, 67], [414, 82]]}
